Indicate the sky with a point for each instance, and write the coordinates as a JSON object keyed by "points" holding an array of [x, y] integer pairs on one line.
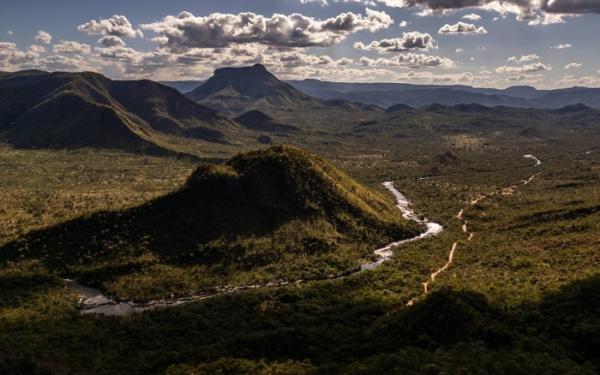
{"points": [[547, 44]]}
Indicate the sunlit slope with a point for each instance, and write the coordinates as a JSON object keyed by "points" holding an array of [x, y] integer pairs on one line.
{"points": [[270, 215]]}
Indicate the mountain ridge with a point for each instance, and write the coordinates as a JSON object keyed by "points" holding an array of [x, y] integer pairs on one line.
{"points": [[90, 110]]}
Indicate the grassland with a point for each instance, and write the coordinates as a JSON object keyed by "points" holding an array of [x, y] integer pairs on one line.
{"points": [[519, 298]]}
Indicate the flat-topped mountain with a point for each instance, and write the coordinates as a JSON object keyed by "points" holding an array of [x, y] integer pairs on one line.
{"points": [[234, 91], [268, 215], [74, 110]]}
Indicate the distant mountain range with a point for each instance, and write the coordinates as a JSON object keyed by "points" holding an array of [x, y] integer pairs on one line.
{"points": [[385, 95], [74, 110]]}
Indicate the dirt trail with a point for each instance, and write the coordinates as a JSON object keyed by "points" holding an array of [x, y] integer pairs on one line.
{"points": [[450, 258], [505, 191], [528, 181]]}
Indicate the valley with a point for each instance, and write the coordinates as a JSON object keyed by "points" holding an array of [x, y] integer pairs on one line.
{"points": [[502, 279]]}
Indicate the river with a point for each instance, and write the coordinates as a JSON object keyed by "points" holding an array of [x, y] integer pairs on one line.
{"points": [[95, 302]]}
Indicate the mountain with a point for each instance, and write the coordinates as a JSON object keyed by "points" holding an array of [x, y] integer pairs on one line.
{"points": [[182, 86], [74, 110], [257, 120], [235, 91], [268, 215], [397, 108], [385, 95]]}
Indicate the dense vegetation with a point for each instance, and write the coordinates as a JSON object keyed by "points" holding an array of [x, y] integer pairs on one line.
{"points": [[520, 297], [277, 215]]}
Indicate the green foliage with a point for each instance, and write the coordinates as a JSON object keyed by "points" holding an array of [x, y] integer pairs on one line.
{"points": [[519, 298], [277, 215]]}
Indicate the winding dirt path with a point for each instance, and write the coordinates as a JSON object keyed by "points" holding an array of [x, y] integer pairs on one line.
{"points": [[450, 258], [505, 191]]}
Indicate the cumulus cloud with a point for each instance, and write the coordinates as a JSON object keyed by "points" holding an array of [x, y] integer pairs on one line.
{"points": [[458, 50], [43, 37], [570, 79], [111, 41], [115, 25], [65, 46], [462, 28], [530, 57], [536, 12], [37, 49], [530, 68], [11, 58], [562, 46], [344, 61], [524, 58], [403, 24], [573, 65], [9, 32], [472, 17], [279, 31], [526, 78], [409, 60], [411, 41], [62, 63], [6, 49], [449, 79]]}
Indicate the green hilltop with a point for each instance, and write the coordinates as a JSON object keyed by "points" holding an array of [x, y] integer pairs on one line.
{"points": [[279, 214], [74, 110]]}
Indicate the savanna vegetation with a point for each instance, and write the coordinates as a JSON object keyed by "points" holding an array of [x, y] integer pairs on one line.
{"points": [[520, 297]]}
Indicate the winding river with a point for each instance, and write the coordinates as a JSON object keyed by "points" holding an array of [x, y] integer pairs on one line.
{"points": [[95, 302], [537, 161]]}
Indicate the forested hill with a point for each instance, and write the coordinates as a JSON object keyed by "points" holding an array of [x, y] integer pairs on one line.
{"points": [[270, 215]]}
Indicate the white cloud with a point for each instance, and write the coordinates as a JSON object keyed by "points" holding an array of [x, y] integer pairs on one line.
{"points": [[467, 78], [562, 46], [37, 49], [65, 46], [111, 41], [472, 17], [115, 25], [403, 24], [523, 58], [411, 41], [529, 57], [462, 28], [9, 32], [344, 61], [43, 37], [280, 31], [536, 12], [530, 68], [459, 50], [12, 58], [571, 80], [573, 65], [62, 63], [409, 60]]}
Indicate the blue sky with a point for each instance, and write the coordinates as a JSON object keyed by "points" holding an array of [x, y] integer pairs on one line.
{"points": [[344, 40]]}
